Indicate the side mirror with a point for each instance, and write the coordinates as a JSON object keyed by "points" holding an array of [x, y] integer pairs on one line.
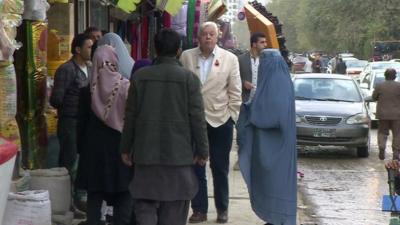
{"points": [[368, 99], [364, 86]]}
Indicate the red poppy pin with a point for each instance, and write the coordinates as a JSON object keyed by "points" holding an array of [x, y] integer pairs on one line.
{"points": [[216, 63]]}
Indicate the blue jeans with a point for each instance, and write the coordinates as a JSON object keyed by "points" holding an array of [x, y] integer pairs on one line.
{"points": [[220, 142]]}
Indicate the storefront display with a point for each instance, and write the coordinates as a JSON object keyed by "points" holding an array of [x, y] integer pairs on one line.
{"points": [[31, 82]]}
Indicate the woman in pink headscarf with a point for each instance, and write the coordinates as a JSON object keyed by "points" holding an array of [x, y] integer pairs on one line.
{"points": [[101, 171]]}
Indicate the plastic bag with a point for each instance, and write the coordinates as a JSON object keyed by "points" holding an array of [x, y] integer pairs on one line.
{"points": [[7, 47], [8, 32], [12, 6], [11, 20], [22, 184], [35, 10]]}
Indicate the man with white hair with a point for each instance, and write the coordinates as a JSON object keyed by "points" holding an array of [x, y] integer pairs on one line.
{"points": [[218, 71]]}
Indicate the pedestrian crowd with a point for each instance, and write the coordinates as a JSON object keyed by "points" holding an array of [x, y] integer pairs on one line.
{"points": [[142, 133]]}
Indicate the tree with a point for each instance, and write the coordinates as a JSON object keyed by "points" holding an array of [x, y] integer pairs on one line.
{"points": [[337, 25]]}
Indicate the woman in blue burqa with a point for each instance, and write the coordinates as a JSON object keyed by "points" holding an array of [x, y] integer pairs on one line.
{"points": [[267, 143]]}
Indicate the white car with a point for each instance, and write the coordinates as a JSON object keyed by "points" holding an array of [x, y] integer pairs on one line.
{"points": [[382, 65], [368, 83], [354, 67], [345, 55]]}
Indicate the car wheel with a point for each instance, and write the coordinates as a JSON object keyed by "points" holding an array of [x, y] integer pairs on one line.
{"points": [[363, 152]]}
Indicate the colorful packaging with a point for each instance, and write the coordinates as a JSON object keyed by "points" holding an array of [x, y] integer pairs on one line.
{"points": [[8, 103], [11, 6]]}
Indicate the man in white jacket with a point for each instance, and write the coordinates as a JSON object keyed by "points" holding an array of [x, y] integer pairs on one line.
{"points": [[218, 71]]}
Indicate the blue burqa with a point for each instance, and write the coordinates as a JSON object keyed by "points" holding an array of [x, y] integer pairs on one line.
{"points": [[267, 143]]}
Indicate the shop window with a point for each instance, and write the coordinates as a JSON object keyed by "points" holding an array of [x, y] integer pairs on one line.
{"points": [[99, 14], [81, 22]]}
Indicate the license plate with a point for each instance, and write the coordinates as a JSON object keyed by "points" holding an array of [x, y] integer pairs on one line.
{"points": [[326, 133]]}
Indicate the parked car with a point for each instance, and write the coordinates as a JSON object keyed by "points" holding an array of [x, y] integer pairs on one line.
{"points": [[382, 65], [354, 67], [368, 83], [330, 110]]}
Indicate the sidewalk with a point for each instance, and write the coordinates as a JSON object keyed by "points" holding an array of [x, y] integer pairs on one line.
{"points": [[240, 212]]}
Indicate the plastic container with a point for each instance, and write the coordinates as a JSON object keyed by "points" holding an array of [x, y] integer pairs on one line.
{"points": [[8, 151]]}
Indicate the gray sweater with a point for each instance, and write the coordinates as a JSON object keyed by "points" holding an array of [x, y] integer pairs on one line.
{"points": [[70, 94]]}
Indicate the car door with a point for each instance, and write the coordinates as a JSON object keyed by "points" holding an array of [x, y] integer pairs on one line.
{"points": [[366, 84]]}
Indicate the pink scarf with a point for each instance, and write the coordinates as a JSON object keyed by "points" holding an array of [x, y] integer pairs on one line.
{"points": [[109, 88]]}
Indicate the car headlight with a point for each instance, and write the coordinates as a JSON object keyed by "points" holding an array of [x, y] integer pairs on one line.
{"points": [[360, 118], [298, 119]]}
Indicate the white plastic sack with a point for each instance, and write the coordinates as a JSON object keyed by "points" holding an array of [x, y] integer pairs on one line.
{"points": [[35, 10], [57, 181], [22, 184], [66, 219], [28, 208], [5, 179]]}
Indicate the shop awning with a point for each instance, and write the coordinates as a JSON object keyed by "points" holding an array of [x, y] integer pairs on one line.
{"points": [[216, 9], [258, 23]]}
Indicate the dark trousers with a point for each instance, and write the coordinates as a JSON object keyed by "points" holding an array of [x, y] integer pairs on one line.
{"points": [[151, 212], [122, 207], [383, 132], [220, 142], [67, 133]]}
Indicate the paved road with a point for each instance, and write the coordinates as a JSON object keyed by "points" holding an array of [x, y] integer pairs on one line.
{"points": [[342, 189]]}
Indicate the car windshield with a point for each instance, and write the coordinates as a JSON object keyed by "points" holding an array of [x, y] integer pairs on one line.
{"points": [[380, 66], [380, 77], [356, 63], [326, 89]]}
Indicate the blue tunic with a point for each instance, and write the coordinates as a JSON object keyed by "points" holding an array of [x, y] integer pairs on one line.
{"points": [[267, 143]]}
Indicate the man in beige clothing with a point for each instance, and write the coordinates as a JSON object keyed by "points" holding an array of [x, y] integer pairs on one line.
{"points": [[388, 112], [218, 71]]}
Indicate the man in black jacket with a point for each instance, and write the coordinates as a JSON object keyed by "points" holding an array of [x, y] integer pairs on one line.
{"points": [[165, 132], [71, 97]]}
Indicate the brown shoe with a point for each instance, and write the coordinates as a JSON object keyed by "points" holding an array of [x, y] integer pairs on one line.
{"points": [[222, 216], [381, 154], [198, 217]]}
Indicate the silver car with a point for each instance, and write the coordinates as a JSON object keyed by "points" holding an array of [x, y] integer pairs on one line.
{"points": [[331, 111]]}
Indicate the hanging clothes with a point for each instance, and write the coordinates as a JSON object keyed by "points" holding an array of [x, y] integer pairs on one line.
{"points": [[172, 7], [152, 29], [134, 40], [121, 29], [196, 22], [190, 22], [204, 11], [179, 22], [167, 20], [144, 34]]}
